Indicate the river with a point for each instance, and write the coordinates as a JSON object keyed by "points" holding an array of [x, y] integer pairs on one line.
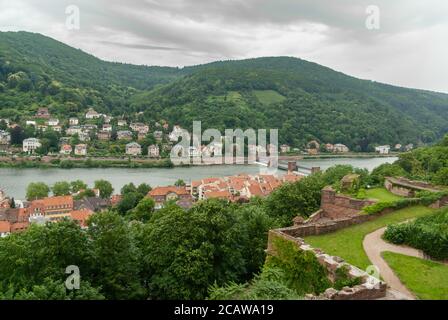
{"points": [[15, 181]]}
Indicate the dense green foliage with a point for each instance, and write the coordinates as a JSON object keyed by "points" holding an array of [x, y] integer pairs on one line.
{"points": [[424, 199], [170, 254], [303, 272], [429, 163], [36, 70], [315, 103], [379, 174], [269, 285], [303, 197], [37, 190], [429, 234], [304, 100], [33, 263], [62, 188]]}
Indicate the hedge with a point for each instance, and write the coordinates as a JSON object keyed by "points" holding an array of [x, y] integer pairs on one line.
{"points": [[425, 199], [429, 234]]}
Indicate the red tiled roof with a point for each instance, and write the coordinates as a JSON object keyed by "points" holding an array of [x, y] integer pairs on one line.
{"points": [[269, 178], [5, 226], [66, 147], [81, 216], [255, 190], [163, 191], [210, 180], [196, 184], [291, 178], [19, 226], [237, 184], [210, 187], [57, 201], [116, 199], [218, 195]]}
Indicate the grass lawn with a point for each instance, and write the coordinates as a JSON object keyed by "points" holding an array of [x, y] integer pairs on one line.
{"points": [[382, 194], [426, 279], [347, 243], [268, 96]]}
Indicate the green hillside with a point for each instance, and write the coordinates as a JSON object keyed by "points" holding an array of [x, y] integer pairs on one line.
{"points": [[304, 100]]}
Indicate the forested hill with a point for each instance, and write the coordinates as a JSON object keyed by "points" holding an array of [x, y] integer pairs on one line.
{"points": [[47, 59], [304, 100]]}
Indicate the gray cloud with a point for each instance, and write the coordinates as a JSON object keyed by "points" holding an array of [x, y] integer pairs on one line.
{"points": [[139, 46], [408, 50]]}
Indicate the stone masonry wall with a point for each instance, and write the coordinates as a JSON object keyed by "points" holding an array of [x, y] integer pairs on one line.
{"points": [[369, 289], [399, 191], [337, 206], [327, 226]]}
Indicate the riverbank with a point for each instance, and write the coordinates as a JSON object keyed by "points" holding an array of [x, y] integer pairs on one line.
{"points": [[14, 180], [145, 163], [82, 163], [350, 155]]}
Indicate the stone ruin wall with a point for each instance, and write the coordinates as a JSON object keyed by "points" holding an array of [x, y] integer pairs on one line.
{"points": [[337, 212], [440, 203], [337, 206], [370, 288], [397, 190]]}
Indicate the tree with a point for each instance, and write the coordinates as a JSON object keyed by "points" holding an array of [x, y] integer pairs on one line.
{"points": [[61, 188], [444, 142], [301, 198], [86, 193], [105, 188], [128, 202], [17, 135], [116, 258], [144, 189], [441, 177], [51, 289], [3, 125], [47, 251], [77, 186], [12, 203], [255, 224], [128, 188], [51, 138], [180, 183], [336, 173], [37, 190], [379, 174], [143, 211], [188, 251], [75, 139]]}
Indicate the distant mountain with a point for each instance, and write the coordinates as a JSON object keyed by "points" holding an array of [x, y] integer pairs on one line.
{"points": [[304, 100]]}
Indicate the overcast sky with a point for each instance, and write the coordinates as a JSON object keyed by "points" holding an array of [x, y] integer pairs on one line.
{"points": [[410, 48]]}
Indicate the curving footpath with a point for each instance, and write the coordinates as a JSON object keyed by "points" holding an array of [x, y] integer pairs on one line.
{"points": [[374, 246]]}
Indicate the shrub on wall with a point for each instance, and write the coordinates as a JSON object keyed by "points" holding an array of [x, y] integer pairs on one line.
{"points": [[266, 286], [344, 280], [302, 271]]}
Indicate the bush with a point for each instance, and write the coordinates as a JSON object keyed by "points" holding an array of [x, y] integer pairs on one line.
{"points": [[396, 234], [424, 199], [429, 234]]}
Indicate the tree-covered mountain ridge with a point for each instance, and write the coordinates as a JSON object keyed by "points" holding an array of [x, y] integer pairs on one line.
{"points": [[304, 100]]}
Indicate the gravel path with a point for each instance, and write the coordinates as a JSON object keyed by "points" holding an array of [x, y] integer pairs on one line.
{"points": [[374, 245]]}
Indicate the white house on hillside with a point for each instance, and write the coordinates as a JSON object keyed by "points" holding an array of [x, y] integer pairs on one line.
{"points": [[383, 149], [133, 149], [30, 145], [92, 114]]}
